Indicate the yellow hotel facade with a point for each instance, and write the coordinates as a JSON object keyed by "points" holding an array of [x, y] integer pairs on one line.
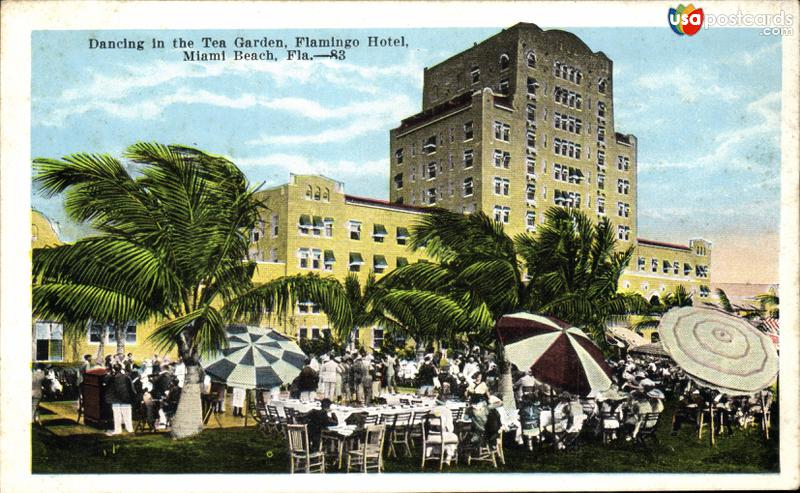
{"points": [[518, 123]]}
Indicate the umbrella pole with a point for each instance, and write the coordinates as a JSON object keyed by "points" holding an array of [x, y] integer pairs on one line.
{"points": [[246, 405], [711, 422], [553, 417], [764, 423]]}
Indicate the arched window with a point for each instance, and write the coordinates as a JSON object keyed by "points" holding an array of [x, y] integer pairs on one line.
{"points": [[531, 59], [309, 192], [504, 61], [326, 194], [317, 194], [602, 85]]}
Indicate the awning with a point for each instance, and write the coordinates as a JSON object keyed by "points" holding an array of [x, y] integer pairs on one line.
{"points": [[379, 261], [328, 220], [402, 233], [329, 257], [305, 220], [379, 230], [356, 259], [318, 222], [402, 261]]}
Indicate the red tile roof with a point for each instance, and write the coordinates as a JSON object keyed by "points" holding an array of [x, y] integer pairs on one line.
{"points": [[384, 203], [642, 241]]}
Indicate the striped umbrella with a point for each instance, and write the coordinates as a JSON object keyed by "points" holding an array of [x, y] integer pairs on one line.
{"points": [[719, 350], [256, 358], [557, 353]]}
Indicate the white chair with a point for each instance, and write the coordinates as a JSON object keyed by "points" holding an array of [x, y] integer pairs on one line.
{"points": [[438, 442], [369, 454], [301, 457]]}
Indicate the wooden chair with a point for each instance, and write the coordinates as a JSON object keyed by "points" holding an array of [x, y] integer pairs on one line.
{"points": [[398, 434], [301, 457], [262, 418], [415, 427], [371, 419], [486, 451], [610, 426], [435, 438], [369, 454], [647, 428]]}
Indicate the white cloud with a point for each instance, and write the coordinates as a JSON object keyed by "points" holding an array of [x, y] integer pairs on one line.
{"points": [[749, 57], [303, 165], [689, 87], [727, 150]]}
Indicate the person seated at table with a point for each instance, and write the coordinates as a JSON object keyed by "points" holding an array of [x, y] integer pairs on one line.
{"points": [[485, 422], [637, 408], [477, 390], [318, 420], [689, 408]]}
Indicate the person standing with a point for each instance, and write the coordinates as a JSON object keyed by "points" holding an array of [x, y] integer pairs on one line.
{"points": [[307, 382], [38, 383], [237, 401], [377, 375], [120, 394], [341, 371], [389, 371], [328, 377], [425, 375]]}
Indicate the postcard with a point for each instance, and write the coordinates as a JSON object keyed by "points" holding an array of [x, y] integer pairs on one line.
{"points": [[485, 246]]}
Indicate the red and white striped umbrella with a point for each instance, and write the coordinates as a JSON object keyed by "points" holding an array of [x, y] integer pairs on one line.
{"points": [[558, 354]]}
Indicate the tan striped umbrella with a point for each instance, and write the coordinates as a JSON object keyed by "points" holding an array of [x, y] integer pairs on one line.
{"points": [[719, 350]]}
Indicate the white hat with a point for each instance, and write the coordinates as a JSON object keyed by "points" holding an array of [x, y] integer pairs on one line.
{"points": [[655, 394]]}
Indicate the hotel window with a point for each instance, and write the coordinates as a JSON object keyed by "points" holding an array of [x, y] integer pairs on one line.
{"points": [[379, 264], [506, 214], [498, 213], [666, 266], [274, 224], [402, 235], [531, 112], [704, 291], [502, 131], [623, 233], [356, 261], [504, 62], [451, 134], [377, 337], [273, 255], [429, 147], [532, 85], [475, 75], [601, 180], [328, 226], [96, 330], [620, 209], [468, 131], [431, 196], [317, 193], [316, 259], [431, 170], [303, 255], [623, 186], [402, 261], [302, 333], [601, 205], [601, 157], [255, 235], [530, 139], [641, 263], [530, 163], [328, 260], [601, 109], [355, 230], [468, 187], [503, 86], [450, 161], [50, 340], [469, 158], [398, 181], [304, 224], [309, 192], [687, 269], [378, 233], [531, 59], [318, 226], [654, 265], [530, 219], [398, 156], [530, 192], [602, 85], [501, 186], [676, 267]]}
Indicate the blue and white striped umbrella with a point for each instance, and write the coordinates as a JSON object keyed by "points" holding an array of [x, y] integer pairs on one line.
{"points": [[256, 358]]}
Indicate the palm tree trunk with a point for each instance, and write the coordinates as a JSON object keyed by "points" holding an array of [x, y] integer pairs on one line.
{"points": [[507, 388], [119, 333], [188, 420], [101, 347]]}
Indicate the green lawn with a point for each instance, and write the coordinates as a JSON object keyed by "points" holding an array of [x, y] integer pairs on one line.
{"points": [[244, 450]]}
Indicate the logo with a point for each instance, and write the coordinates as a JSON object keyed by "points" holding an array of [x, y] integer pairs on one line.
{"points": [[685, 20]]}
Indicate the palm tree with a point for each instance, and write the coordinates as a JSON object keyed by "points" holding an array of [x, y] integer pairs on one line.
{"points": [[478, 276], [171, 245], [678, 297]]}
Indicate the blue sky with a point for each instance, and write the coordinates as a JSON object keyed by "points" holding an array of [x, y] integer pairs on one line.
{"points": [[706, 111]]}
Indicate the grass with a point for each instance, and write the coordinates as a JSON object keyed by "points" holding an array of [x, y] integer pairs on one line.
{"points": [[244, 450]]}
